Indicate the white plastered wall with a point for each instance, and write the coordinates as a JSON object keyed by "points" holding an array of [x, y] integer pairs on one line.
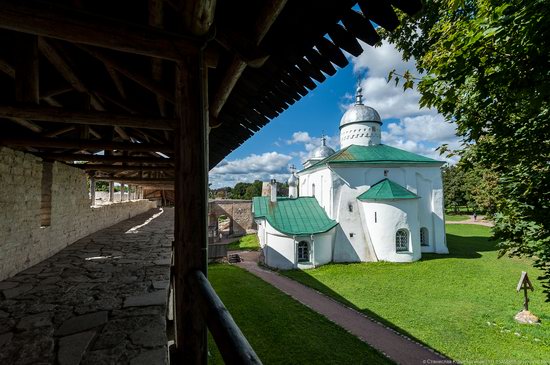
{"points": [[280, 250]]}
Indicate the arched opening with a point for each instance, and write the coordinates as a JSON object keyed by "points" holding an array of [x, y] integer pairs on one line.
{"points": [[424, 237], [303, 251], [402, 240]]}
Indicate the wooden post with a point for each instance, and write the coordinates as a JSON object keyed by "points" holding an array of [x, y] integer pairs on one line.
{"points": [[111, 191], [92, 190], [121, 192], [191, 230]]}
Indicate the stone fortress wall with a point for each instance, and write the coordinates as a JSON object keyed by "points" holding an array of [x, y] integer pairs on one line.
{"points": [[40, 216], [239, 211]]}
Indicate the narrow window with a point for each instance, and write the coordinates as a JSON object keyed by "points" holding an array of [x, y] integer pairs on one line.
{"points": [[424, 237], [402, 240], [46, 195], [350, 207], [386, 172], [375, 218], [313, 190], [303, 251]]}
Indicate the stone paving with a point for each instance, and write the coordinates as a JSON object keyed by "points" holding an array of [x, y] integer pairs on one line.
{"points": [[101, 300]]}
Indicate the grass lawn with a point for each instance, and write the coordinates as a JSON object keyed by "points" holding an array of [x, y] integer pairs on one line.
{"points": [[456, 217], [461, 304], [248, 242], [281, 330]]}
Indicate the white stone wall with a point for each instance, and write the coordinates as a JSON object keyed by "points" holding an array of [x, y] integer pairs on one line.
{"points": [[23, 242], [281, 251]]}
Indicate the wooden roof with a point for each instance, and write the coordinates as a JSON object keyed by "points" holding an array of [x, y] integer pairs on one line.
{"points": [[100, 76]]}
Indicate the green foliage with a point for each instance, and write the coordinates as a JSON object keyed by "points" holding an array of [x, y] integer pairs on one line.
{"points": [[461, 304], [280, 329], [247, 191], [102, 186], [248, 242], [486, 65]]}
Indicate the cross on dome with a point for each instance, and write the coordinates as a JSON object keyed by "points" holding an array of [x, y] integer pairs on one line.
{"points": [[359, 96]]}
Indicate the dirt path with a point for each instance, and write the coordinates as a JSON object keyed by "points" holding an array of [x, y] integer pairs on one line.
{"points": [[479, 221], [394, 345]]}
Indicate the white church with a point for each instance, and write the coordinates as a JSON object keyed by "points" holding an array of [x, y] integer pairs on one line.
{"points": [[366, 202]]}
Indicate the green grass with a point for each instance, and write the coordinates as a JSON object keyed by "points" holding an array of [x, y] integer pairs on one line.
{"points": [[281, 330], [461, 304], [456, 217], [248, 242]]}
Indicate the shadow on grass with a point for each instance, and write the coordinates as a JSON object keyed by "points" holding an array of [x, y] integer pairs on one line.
{"points": [[313, 283], [464, 248]]}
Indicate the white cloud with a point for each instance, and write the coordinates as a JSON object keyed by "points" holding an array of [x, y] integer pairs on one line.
{"points": [[254, 167], [299, 137], [418, 130]]}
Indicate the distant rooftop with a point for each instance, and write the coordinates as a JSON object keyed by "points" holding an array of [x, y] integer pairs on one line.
{"points": [[299, 216]]}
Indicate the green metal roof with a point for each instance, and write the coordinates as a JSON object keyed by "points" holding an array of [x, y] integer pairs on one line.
{"points": [[293, 216], [377, 154], [387, 190]]}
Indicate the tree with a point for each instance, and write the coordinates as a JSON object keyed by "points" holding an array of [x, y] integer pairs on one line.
{"points": [[454, 187], [486, 68], [255, 189]]}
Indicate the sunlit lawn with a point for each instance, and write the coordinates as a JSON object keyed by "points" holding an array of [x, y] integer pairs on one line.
{"points": [[461, 304], [456, 217], [281, 330], [248, 242]]}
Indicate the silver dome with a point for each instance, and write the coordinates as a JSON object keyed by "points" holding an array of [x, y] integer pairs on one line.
{"points": [[293, 180], [322, 152], [360, 113]]}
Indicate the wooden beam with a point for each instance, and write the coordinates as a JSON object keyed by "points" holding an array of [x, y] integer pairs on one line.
{"points": [[85, 144], [26, 69], [105, 158], [156, 19], [60, 115], [237, 66], [58, 132], [27, 124], [191, 204], [136, 180], [198, 15], [50, 20], [123, 68], [120, 168], [6, 68]]}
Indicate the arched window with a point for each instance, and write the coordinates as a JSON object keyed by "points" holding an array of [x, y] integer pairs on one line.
{"points": [[313, 190], [303, 251], [402, 240], [424, 237]]}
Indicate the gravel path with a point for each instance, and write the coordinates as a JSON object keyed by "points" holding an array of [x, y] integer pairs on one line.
{"points": [[394, 345], [101, 300]]}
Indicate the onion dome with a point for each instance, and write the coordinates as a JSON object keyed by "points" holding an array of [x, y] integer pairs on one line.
{"points": [[322, 151], [293, 179], [359, 112]]}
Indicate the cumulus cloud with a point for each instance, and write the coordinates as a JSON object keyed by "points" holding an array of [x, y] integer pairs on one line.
{"points": [[270, 162], [262, 167], [309, 143], [418, 130]]}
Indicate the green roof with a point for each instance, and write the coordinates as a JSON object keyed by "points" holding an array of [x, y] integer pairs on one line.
{"points": [[386, 190], [377, 154], [293, 216]]}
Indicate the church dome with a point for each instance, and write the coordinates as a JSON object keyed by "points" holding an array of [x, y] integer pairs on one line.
{"points": [[359, 113], [292, 180], [322, 152]]}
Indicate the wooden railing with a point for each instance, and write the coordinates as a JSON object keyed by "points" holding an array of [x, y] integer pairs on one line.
{"points": [[231, 342]]}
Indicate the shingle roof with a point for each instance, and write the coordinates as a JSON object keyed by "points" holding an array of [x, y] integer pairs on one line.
{"points": [[387, 190], [377, 154], [299, 216]]}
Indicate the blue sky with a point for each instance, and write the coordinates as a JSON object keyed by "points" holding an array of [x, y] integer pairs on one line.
{"points": [[290, 137]]}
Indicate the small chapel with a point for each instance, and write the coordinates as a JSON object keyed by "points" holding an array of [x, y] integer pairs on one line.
{"points": [[366, 202]]}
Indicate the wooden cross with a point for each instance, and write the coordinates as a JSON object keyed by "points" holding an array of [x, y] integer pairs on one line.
{"points": [[524, 283]]}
